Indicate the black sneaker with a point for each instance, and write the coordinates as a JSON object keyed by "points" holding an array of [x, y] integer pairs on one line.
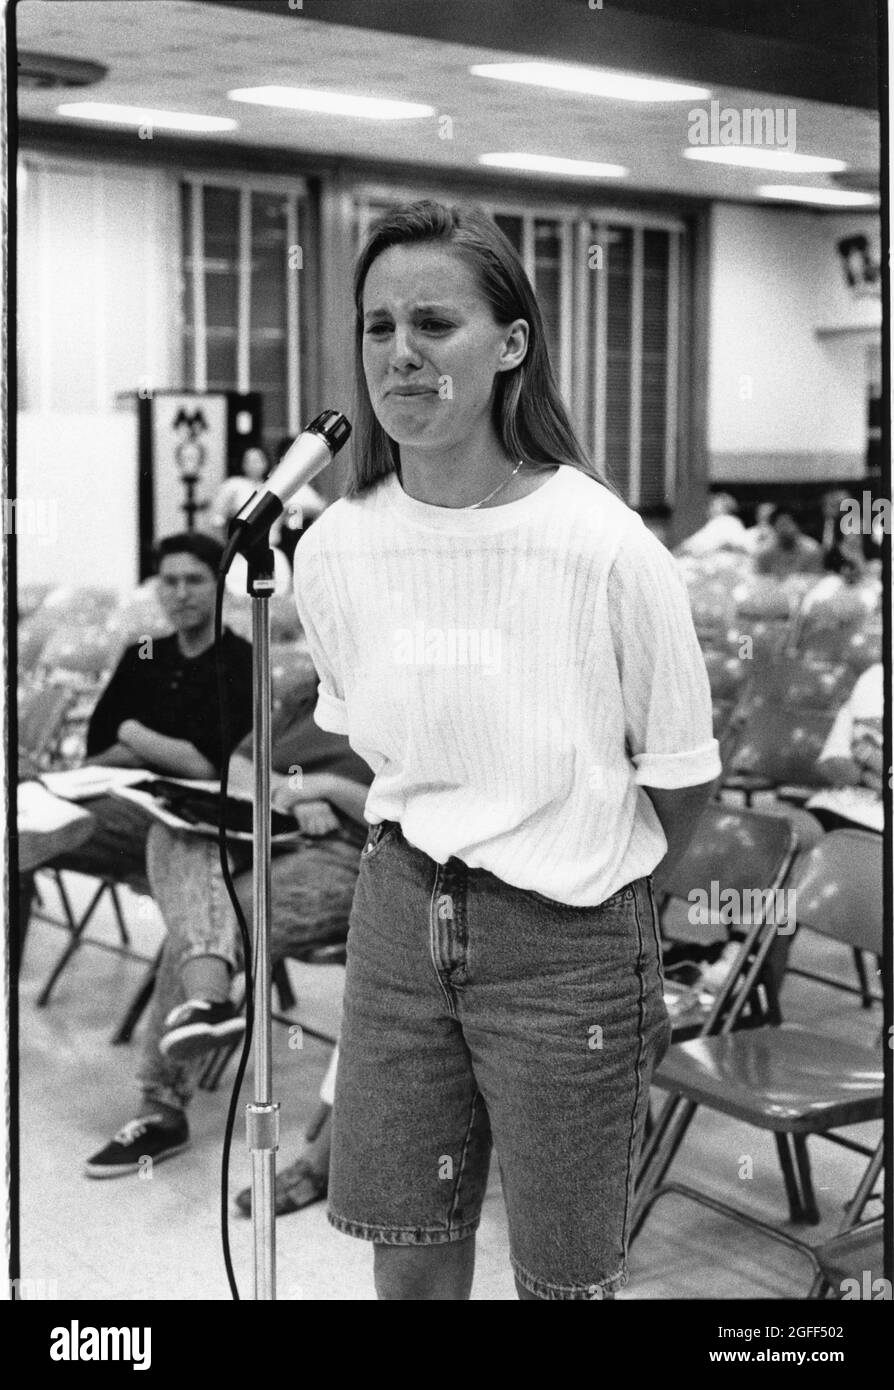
{"points": [[145, 1137], [199, 1026]]}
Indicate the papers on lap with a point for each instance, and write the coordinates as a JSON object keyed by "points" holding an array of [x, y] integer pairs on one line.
{"points": [[168, 800], [81, 783], [859, 804]]}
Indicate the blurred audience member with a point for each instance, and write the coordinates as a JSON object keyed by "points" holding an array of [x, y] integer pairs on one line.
{"points": [[845, 596], [722, 531], [235, 491], [790, 551], [852, 760], [761, 535]]}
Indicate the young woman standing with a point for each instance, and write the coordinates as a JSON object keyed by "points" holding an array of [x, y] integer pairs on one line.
{"points": [[511, 651]]}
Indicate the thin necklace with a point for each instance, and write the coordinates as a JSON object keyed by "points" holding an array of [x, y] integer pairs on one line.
{"points": [[495, 491]]}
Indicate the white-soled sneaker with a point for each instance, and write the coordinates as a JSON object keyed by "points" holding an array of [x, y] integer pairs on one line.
{"points": [[197, 1027], [148, 1136]]}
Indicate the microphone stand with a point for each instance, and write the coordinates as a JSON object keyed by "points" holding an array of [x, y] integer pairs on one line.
{"points": [[262, 1114], [250, 536]]}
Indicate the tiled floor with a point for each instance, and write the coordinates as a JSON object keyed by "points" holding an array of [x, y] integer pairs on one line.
{"points": [[158, 1238]]}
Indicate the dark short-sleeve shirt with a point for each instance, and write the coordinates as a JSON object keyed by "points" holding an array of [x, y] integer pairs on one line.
{"points": [[176, 696]]}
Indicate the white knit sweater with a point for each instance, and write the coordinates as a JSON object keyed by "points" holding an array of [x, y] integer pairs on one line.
{"points": [[513, 675]]}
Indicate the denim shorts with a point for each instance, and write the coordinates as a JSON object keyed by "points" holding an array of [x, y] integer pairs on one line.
{"points": [[479, 1015]]}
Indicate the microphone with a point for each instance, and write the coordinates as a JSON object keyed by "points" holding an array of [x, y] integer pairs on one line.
{"points": [[314, 448]]}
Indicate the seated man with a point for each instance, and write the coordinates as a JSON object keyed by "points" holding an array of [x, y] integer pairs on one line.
{"points": [[160, 709], [320, 780]]}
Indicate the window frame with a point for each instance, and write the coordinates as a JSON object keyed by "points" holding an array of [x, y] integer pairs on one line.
{"points": [[245, 184]]}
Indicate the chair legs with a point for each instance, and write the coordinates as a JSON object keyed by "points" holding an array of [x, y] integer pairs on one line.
{"points": [[77, 930], [853, 1212], [216, 1064], [733, 1213], [28, 890], [283, 987], [855, 1208], [137, 1006], [119, 915], [77, 936], [810, 1212], [860, 967], [795, 1164], [786, 1163], [667, 1134]]}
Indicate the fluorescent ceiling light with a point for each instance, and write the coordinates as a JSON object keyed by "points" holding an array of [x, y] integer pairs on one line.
{"points": [[822, 197], [551, 164], [332, 103], [138, 115], [593, 82], [754, 157]]}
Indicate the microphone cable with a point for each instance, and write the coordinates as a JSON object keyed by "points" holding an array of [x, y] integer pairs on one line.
{"points": [[248, 956]]}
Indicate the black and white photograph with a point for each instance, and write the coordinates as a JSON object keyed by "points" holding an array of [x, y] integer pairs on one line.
{"points": [[409, 905]]}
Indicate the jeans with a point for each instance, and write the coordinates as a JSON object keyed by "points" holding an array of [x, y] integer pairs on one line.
{"points": [[312, 888], [478, 1014]]}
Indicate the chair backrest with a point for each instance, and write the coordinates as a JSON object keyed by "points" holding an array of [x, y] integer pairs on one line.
{"points": [[839, 889], [782, 743], [795, 681], [731, 849], [733, 870]]}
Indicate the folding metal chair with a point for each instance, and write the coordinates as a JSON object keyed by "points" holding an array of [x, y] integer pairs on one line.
{"points": [[798, 682], [77, 926], [733, 851], [857, 1255], [788, 1079], [778, 748], [858, 1245]]}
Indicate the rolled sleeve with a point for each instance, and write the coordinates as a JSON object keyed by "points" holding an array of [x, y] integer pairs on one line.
{"points": [[668, 718], [670, 770], [331, 711]]}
